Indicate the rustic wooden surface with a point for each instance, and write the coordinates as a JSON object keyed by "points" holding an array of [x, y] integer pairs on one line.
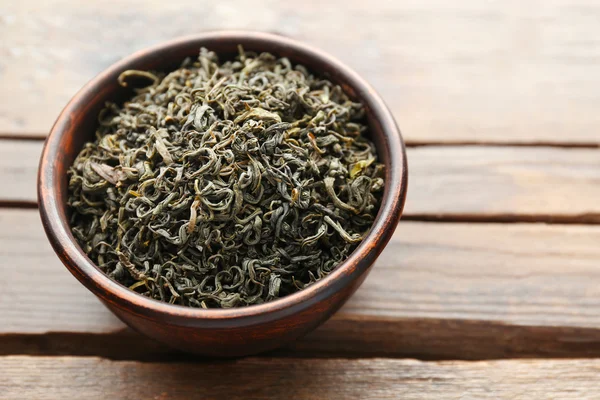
{"points": [[501, 71], [498, 256], [264, 378]]}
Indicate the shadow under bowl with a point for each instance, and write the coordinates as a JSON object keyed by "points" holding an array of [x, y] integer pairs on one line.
{"points": [[218, 332]]}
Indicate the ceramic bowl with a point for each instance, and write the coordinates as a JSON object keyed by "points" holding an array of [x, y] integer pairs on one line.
{"points": [[218, 332]]}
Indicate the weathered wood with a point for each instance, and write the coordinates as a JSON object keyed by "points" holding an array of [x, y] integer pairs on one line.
{"points": [[19, 161], [497, 181], [438, 291], [37, 279], [259, 378], [450, 71], [485, 183]]}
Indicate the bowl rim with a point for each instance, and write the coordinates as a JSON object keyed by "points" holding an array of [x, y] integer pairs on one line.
{"points": [[358, 263]]}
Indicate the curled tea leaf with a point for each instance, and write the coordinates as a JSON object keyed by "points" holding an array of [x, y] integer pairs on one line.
{"points": [[258, 113], [138, 74], [358, 167], [161, 147], [108, 173]]}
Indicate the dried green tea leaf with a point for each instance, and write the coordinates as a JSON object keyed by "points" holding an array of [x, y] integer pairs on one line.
{"points": [[108, 173], [358, 167], [163, 151], [122, 79], [258, 113]]}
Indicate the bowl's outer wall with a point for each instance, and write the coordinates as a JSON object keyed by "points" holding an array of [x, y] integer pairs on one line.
{"points": [[237, 340], [218, 336]]}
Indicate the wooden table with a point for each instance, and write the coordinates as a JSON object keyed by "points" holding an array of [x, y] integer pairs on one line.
{"points": [[490, 287]]}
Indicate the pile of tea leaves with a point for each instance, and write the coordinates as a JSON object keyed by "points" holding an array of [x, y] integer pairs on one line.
{"points": [[225, 184]]}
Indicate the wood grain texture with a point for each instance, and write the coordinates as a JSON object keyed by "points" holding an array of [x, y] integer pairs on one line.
{"points": [[492, 181], [19, 161], [485, 182], [258, 378], [439, 290], [500, 71]]}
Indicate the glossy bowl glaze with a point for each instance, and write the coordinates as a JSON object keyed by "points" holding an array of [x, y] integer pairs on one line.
{"points": [[218, 332]]}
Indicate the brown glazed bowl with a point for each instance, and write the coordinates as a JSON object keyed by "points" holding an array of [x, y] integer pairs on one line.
{"points": [[218, 332]]}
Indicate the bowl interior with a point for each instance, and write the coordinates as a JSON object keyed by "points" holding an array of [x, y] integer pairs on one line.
{"points": [[78, 122]]}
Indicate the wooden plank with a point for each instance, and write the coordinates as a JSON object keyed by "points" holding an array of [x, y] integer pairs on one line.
{"points": [[439, 290], [37, 278], [19, 161], [450, 71], [478, 182], [258, 378], [504, 181]]}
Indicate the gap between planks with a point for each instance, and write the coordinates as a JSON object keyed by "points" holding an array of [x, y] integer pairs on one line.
{"points": [[344, 336], [584, 219], [549, 219], [409, 143]]}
